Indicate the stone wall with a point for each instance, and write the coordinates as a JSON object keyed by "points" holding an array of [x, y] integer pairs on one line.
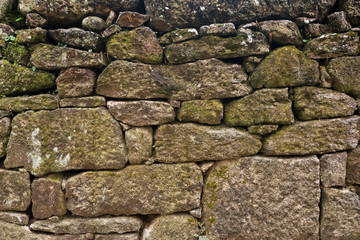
{"points": [[179, 119]]}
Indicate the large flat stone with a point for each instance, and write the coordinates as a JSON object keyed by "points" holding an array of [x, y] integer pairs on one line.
{"points": [[65, 139], [314, 137], [73, 225], [137, 189], [166, 15], [15, 217], [15, 192], [187, 142], [265, 106], [263, 198], [340, 214], [49, 57], [198, 80], [247, 43], [16, 80], [37, 102]]}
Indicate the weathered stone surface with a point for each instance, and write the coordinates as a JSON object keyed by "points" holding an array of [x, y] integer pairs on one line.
{"points": [[325, 78], [314, 137], [74, 225], [5, 128], [345, 72], [5, 113], [333, 45], [312, 103], [131, 19], [285, 67], [340, 214], [202, 111], [19, 80], [166, 15], [352, 9], [110, 18], [283, 32], [93, 23], [142, 113], [11, 231], [6, 6], [17, 53], [37, 102], [353, 167], [6, 31], [198, 80], [314, 30], [126, 236], [179, 35], [15, 192], [218, 29], [50, 57], [76, 82], [189, 142], [48, 198], [250, 63], [262, 129], [265, 106], [111, 30], [139, 44], [31, 36], [333, 169], [44, 141], [338, 22], [160, 189], [67, 12], [139, 142], [275, 193], [34, 20], [169, 227], [245, 44], [15, 217], [85, 102], [78, 38]]}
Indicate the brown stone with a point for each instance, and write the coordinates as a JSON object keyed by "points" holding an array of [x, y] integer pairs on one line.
{"points": [[5, 128], [282, 32], [84, 102], [6, 31], [314, 30], [31, 36], [139, 143], [338, 22], [36, 102], [325, 79], [93, 23], [126, 236], [131, 19], [333, 169], [15, 217], [34, 20], [353, 167]]}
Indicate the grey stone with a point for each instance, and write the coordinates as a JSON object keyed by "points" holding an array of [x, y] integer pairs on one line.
{"points": [[21, 104], [139, 142], [282, 32], [160, 189], [218, 29], [262, 198], [262, 129], [15, 217], [333, 169], [204, 166], [6, 6], [353, 167], [188, 142], [93, 23], [126, 236], [179, 35], [85, 102], [196, 213], [110, 18]]}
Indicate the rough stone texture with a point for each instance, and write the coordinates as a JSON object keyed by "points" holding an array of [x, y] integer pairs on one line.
{"points": [[314, 30], [333, 169], [312, 103], [16, 53], [6, 7], [15, 217], [44, 141], [78, 38], [139, 44], [110, 18], [66, 12], [262, 129], [166, 15], [325, 79], [37, 102], [265, 106], [169, 227], [11, 231], [218, 29], [282, 32], [131, 19], [93, 23], [5, 128], [34, 20], [74, 225], [245, 44], [338, 22], [31, 36], [19, 80], [202, 111], [340, 217], [353, 167], [126, 236], [179, 35], [284, 67], [6, 31], [15, 192], [352, 9], [198, 80], [4, 113], [142, 113], [76, 82], [50, 57], [160, 189], [333, 45], [250, 63], [111, 30], [48, 198], [345, 72], [262, 198], [139, 142], [314, 137], [85, 102], [188, 142]]}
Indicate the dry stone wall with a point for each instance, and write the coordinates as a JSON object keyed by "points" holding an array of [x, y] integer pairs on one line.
{"points": [[179, 120]]}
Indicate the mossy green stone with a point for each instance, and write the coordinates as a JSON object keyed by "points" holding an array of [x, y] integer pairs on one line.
{"points": [[18, 54], [20, 104]]}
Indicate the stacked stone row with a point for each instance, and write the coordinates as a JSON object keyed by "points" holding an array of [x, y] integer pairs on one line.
{"points": [[163, 126]]}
